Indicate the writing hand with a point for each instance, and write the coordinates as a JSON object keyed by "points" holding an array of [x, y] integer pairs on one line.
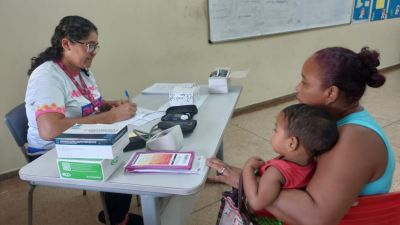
{"points": [[124, 111], [114, 103]]}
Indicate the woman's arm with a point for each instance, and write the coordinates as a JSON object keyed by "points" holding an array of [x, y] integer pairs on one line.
{"points": [[262, 193], [50, 125], [114, 103], [340, 175], [230, 175]]}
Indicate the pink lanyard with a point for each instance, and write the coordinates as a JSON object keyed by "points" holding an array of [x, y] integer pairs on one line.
{"points": [[82, 88]]}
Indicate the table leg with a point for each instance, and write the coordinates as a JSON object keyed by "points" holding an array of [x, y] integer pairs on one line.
{"points": [[176, 209], [220, 153], [30, 203], [105, 209], [150, 210]]}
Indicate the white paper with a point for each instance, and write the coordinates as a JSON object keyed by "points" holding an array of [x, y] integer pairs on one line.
{"points": [[183, 95], [239, 74], [142, 117], [164, 88], [198, 103]]}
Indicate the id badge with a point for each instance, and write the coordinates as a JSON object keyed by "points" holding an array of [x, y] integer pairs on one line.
{"points": [[87, 110]]}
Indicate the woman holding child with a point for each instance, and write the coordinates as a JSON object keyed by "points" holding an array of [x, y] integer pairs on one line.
{"points": [[362, 161]]}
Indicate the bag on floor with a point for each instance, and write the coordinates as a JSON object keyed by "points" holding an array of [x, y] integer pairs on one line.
{"points": [[233, 210]]}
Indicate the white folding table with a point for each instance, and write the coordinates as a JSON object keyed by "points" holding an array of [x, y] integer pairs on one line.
{"points": [[165, 198]]}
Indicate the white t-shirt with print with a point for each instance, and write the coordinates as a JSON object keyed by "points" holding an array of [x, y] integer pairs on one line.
{"points": [[51, 90]]}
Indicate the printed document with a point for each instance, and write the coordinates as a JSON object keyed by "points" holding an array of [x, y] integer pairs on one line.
{"points": [[142, 117], [164, 88]]}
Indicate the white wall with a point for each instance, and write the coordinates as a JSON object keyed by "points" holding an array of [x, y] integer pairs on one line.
{"points": [[148, 41]]}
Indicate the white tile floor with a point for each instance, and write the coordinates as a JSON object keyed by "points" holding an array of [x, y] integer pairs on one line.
{"points": [[247, 135]]}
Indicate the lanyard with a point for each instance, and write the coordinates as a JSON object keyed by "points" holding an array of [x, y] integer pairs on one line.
{"points": [[82, 88]]}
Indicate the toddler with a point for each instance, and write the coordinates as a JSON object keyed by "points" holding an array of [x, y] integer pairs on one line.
{"points": [[302, 132]]}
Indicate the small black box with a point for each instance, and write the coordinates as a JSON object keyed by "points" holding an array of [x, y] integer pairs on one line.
{"points": [[187, 126]]}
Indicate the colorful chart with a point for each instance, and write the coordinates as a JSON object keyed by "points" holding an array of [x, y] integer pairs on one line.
{"points": [[362, 10], [379, 11], [393, 9]]}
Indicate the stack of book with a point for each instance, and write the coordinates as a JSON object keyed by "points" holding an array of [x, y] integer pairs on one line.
{"points": [[165, 162], [90, 151]]}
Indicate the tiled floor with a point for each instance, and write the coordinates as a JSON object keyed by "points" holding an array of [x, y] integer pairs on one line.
{"points": [[247, 135]]}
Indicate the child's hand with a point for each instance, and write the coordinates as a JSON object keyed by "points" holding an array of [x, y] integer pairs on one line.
{"points": [[254, 163]]}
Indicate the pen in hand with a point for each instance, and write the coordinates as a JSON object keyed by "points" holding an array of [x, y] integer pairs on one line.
{"points": [[127, 95], [131, 101]]}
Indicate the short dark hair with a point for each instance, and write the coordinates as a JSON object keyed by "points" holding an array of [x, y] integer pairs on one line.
{"points": [[351, 72], [74, 28], [313, 126]]}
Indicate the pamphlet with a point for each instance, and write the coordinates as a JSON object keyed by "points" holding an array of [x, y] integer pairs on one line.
{"points": [[164, 162]]}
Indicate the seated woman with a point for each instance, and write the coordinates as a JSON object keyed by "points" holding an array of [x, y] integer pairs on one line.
{"points": [[62, 91], [361, 163]]}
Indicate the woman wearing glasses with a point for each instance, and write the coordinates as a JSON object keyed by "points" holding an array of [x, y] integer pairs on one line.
{"points": [[62, 91]]}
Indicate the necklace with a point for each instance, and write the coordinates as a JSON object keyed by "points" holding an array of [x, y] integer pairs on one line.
{"points": [[82, 87]]}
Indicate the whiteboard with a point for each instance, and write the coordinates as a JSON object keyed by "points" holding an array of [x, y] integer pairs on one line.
{"points": [[236, 19]]}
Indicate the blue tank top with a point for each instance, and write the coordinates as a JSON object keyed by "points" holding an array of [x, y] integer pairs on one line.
{"points": [[382, 184]]}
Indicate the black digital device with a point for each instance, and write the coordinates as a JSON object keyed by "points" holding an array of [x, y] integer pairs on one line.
{"points": [[220, 73], [176, 116], [135, 143], [179, 115], [187, 126], [183, 109]]}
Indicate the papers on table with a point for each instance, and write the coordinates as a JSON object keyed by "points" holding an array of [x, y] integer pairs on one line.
{"points": [[200, 100], [142, 117], [164, 88], [239, 74]]}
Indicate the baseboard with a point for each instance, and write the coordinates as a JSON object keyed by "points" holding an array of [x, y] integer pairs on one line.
{"points": [[286, 98], [9, 174], [390, 68], [264, 104]]}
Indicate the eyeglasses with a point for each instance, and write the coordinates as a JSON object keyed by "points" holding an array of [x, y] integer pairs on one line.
{"points": [[90, 47]]}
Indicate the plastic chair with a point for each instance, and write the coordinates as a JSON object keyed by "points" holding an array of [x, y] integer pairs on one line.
{"points": [[383, 209], [17, 123]]}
